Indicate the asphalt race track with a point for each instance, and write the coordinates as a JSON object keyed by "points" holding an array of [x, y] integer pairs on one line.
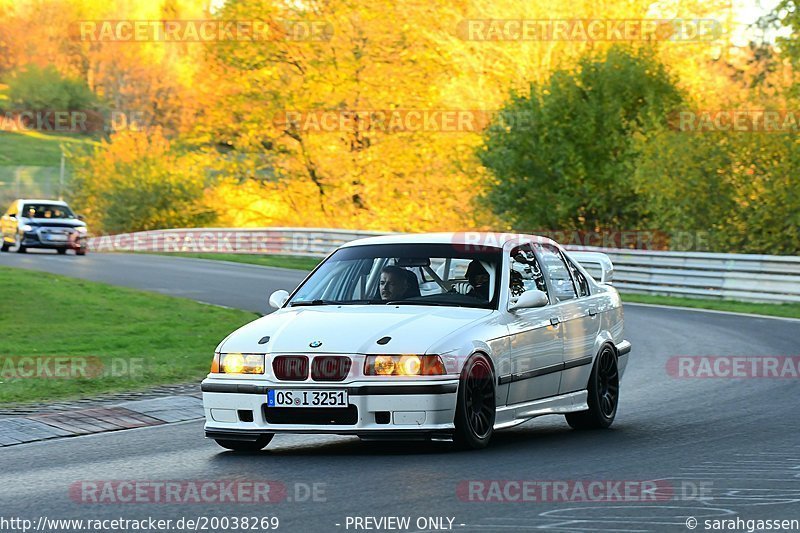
{"points": [[721, 448], [218, 282]]}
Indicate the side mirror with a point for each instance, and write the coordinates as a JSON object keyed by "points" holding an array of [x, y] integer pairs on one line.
{"points": [[80, 217], [529, 299], [278, 298]]}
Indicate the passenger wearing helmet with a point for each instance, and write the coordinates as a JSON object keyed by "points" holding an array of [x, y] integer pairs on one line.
{"points": [[477, 283]]}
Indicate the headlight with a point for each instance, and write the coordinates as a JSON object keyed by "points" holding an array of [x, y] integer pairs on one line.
{"points": [[383, 365], [81, 229], [410, 365], [27, 227], [403, 365], [238, 363]]}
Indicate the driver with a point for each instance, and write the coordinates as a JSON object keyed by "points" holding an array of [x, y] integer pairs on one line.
{"points": [[394, 283]]}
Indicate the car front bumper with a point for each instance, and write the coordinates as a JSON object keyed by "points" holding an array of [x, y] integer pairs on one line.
{"points": [[44, 239], [416, 409]]}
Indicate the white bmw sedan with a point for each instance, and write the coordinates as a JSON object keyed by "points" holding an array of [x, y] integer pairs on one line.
{"points": [[429, 336]]}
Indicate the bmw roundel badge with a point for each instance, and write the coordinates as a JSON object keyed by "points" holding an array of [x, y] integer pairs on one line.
{"points": [[315, 344]]}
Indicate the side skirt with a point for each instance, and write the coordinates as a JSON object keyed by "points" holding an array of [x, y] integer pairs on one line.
{"points": [[512, 415]]}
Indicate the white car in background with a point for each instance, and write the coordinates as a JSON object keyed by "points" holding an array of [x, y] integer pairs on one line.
{"points": [[48, 224], [428, 336]]}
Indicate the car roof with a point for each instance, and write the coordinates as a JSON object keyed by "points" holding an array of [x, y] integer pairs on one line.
{"points": [[41, 201], [466, 238]]}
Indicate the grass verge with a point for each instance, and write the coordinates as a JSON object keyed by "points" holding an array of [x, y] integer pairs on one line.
{"points": [[35, 148], [790, 310], [131, 339]]}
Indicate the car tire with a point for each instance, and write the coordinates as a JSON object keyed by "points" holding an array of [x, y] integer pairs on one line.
{"points": [[245, 445], [603, 394], [18, 246], [61, 251], [82, 251], [476, 405]]}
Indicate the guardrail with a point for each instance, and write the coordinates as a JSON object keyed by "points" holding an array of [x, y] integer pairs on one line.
{"points": [[745, 277]]}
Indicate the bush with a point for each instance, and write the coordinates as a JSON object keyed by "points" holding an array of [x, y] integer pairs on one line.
{"points": [[735, 192], [139, 181], [38, 89]]}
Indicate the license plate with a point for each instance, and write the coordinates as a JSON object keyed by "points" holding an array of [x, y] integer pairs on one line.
{"points": [[306, 398], [56, 237]]}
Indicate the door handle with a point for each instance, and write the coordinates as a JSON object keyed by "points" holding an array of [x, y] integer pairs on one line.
{"points": [[554, 320], [592, 311]]}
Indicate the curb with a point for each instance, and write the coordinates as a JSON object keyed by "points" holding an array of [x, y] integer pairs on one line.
{"points": [[125, 415]]}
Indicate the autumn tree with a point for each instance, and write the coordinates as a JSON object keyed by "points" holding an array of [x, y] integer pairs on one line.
{"points": [[723, 191], [362, 173], [151, 80], [140, 181], [228, 102]]}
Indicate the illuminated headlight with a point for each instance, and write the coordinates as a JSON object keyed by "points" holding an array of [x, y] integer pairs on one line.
{"points": [[27, 227], [81, 230], [238, 363], [403, 365]]}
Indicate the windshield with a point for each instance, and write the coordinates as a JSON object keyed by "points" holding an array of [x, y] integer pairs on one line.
{"points": [[46, 211], [404, 274]]}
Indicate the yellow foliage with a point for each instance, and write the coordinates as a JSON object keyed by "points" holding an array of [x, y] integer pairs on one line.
{"points": [[382, 56]]}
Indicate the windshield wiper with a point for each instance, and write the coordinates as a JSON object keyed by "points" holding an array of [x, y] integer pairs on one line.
{"points": [[412, 302], [329, 302], [313, 302]]}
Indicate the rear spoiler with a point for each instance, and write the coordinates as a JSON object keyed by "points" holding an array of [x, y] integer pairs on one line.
{"points": [[597, 264]]}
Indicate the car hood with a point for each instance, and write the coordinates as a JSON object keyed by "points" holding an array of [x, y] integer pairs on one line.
{"points": [[58, 222], [351, 329]]}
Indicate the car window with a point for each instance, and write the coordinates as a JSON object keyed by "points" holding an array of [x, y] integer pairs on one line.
{"points": [[423, 274], [451, 269], [580, 279], [46, 211], [526, 274], [557, 272]]}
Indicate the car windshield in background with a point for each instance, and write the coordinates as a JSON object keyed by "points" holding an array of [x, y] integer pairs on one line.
{"points": [[46, 211], [404, 274]]}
